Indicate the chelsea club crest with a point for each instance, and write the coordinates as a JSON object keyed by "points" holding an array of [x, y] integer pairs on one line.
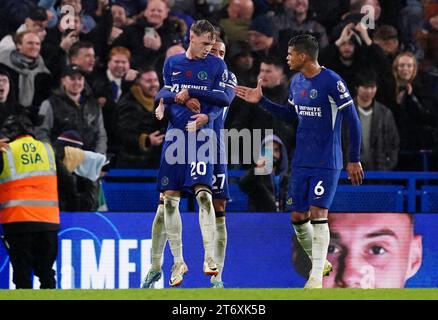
{"points": [[202, 75]]}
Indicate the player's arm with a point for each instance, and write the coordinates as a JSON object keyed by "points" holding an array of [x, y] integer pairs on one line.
{"points": [[255, 95], [214, 97], [354, 167], [345, 104], [284, 112], [217, 95], [230, 87], [166, 92]]}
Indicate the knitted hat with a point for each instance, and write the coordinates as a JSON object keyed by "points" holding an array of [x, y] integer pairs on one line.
{"points": [[70, 138], [4, 72], [262, 24]]}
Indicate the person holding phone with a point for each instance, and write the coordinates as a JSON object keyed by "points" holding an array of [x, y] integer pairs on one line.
{"points": [[149, 38]]}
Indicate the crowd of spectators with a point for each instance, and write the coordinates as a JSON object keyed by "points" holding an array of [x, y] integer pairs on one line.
{"points": [[119, 46]]}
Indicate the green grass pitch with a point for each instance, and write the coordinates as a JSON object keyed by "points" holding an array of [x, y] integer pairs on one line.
{"points": [[222, 294]]}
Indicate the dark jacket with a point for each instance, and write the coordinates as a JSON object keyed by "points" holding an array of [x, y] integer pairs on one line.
{"points": [[43, 83], [261, 188], [75, 193], [102, 88], [415, 122], [132, 38], [62, 114], [135, 121], [384, 144]]}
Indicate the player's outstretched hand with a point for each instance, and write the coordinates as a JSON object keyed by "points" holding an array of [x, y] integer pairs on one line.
{"points": [[194, 105], [159, 111], [251, 95], [199, 121], [355, 173], [3, 144]]}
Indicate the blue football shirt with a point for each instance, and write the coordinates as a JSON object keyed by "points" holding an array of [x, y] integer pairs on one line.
{"points": [[318, 102], [196, 75]]}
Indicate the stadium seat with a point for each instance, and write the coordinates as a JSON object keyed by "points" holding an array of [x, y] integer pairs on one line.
{"points": [[368, 198], [429, 199]]}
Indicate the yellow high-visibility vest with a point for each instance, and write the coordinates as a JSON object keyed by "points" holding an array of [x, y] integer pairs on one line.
{"points": [[28, 183]]}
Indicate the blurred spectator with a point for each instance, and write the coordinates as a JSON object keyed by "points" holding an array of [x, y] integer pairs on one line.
{"points": [[57, 45], [109, 86], [261, 38], [151, 35], [318, 10], [380, 139], [133, 7], [427, 38], [431, 16], [275, 87], [241, 61], [15, 12], [76, 193], [410, 21], [26, 67], [71, 107], [178, 13], [236, 25], [353, 52], [111, 24], [267, 189], [87, 21], [355, 15], [171, 51], [83, 55], [186, 6], [414, 118], [295, 19], [174, 50], [119, 16], [29, 213], [386, 37], [269, 7], [137, 127], [36, 21], [8, 104]]}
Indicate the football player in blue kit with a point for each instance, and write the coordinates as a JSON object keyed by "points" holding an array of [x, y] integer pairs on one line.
{"points": [[321, 101], [219, 188], [220, 172], [196, 81]]}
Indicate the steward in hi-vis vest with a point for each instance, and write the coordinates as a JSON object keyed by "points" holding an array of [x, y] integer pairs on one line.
{"points": [[29, 213]]}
